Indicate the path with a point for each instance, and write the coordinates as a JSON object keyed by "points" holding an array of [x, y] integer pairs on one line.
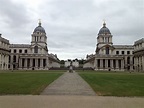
{"points": [[53, 101], [69, 84]]}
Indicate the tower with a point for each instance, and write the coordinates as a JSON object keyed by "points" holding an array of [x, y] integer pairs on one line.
{"points": [[104, 40], [39, 40]]}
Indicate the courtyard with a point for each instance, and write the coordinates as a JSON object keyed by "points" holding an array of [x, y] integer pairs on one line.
{"points": [[122, 84]]}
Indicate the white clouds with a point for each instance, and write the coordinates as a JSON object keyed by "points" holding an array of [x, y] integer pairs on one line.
{"points": [[72, 25]]}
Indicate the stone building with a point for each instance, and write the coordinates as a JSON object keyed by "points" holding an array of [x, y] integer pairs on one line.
{"points": [[4, 53], [74, 63], [139, 55], [108, 56], [33, 56]]}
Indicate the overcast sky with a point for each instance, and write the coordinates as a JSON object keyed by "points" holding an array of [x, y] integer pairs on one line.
{"points": [[72, 25]]}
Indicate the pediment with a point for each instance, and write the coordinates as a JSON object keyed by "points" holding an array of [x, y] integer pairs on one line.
{"points": [[105, 46], [32, 46]]}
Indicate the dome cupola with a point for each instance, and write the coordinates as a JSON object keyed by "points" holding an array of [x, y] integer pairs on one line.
{"points": [[39, 28], [104, 30]]}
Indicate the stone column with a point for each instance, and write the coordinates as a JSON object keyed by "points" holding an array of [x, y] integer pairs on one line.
{"points": [[112, 64], [126, 61], [36, 63], [106, 63], [101, 63], [31, 62], [131, 63], [20, 63], [47, 62], [0, 61], [96, 67], [136, 64], [117, 67], [6, 61], [122, 64], [26, 63], [143, 63], [94, 63], [41, 63], [140, 63]]}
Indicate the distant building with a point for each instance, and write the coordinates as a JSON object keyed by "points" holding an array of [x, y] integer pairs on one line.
{"points": [[108, 56], [33, 56], [139, 55], [74, 63], [4, 53]]}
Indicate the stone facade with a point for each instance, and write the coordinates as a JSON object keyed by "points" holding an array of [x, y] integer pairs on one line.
{"points": [[109, 56], [33, 56], [139, 55], [75, 63], [4, 53]]}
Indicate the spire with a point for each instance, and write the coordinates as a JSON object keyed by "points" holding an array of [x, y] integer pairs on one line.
{"points": [[104, 24], [39, 23]]}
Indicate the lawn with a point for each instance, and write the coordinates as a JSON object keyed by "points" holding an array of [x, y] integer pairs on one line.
{"points": [[26, 82], [115, 84]]}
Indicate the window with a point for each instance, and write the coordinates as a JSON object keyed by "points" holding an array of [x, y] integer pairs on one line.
{"points": [[122, 52], [20, 51], [25, 51], [128, 52], [107, 50], [128, 60], [14, 58], [36, 49], [117, 52], [14, 50]]}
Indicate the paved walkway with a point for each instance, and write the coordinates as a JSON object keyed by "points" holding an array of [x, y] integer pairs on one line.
{"points": [[48, 101], [69, 84]]}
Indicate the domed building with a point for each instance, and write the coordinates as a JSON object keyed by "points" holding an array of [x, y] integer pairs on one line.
{"points": [[33, 56], [108, 56]]}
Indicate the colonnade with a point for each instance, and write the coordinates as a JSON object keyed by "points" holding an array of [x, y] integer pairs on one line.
{"points": [[4, 61], [33, 63], [109, 64], [139, 63]]}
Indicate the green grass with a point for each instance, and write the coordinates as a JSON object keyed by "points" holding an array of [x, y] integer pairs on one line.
{"points": [[26, 83], [115, 84]]}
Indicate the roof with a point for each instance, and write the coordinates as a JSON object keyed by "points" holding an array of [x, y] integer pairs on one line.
{"points": [[39, 28], [19, 45], [124, 46], [139, 41], [4, 40], [104, 30]]}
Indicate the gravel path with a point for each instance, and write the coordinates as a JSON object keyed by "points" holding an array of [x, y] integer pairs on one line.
{"points": [[69, 84]]}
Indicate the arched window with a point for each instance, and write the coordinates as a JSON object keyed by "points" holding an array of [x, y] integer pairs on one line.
{"points": [[14, 50], [36, 49], [20, 51], [25, 51], [107, 50]]}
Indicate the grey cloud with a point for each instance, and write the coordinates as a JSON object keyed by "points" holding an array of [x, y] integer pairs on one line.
{"points": [[72, 25], [15, 15]]}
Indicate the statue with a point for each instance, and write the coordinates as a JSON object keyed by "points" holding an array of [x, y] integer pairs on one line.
{"points": [[71, 68]]}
